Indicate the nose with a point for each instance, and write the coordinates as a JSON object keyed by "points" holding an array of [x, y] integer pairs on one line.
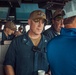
{"points": [[62, 24]]}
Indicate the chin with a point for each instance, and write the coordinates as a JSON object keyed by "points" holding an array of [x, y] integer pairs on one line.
{"points": [[37, 33], [10, 34]]}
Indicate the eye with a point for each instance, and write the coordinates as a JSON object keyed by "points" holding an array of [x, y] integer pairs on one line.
{"points": [[36, 20]]}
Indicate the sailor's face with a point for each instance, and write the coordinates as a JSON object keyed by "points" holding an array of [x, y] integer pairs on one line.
{"points": [[58, 24], [36, 27]]}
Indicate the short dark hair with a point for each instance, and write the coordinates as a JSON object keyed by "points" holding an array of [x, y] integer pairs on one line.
{"points": [[58, 17]]}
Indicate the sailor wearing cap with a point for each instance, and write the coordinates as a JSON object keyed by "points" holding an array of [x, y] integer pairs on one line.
{"points": [[9, 29], [57, 24], [27, 53]]}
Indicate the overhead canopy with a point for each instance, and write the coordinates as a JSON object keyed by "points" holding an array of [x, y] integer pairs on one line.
{"points": [[42, 3], [20, 9]]}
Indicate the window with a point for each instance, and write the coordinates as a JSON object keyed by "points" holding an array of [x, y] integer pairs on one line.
{"points": [[3, 13], [24, 11], [27, 27], [2, 27], [17, 27]]}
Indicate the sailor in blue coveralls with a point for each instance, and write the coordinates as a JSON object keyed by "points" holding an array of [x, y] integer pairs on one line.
{"points": [[57, 24], [8, 31], [27, 54]]}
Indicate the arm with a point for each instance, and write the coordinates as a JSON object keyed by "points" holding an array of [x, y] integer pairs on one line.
{"points": [[49, 71], [9, 70], [9, 60]]}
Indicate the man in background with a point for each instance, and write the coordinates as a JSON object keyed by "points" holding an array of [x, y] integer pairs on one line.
{"points": [[57, 24], [61, 51], [8, 30]]}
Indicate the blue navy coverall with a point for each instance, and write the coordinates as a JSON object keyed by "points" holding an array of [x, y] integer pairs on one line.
{"points": [[25, 58]]}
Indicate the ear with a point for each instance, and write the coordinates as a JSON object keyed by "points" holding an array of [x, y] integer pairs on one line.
{"points": [[29, 21], [74, 21]]}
